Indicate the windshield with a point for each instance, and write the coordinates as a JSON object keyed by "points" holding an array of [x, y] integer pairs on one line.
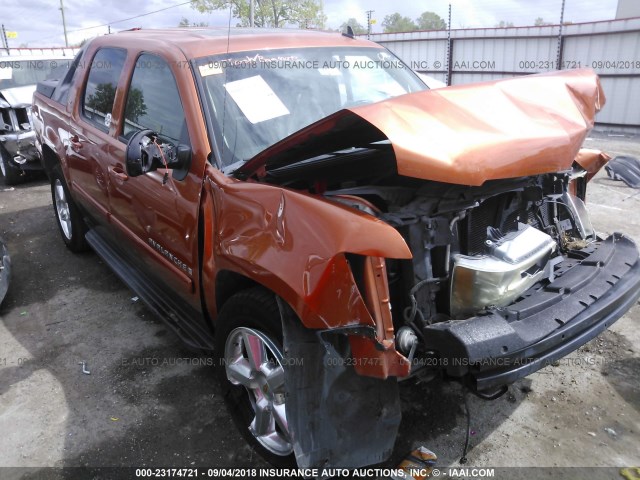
{"points": [[20, 73], [258, 98]]}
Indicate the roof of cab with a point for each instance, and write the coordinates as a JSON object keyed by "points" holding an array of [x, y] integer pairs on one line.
{"points": [[200, 42]]}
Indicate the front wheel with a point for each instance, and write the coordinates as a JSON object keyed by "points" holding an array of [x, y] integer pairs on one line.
{"points": [[70, 223], [251, 373]]}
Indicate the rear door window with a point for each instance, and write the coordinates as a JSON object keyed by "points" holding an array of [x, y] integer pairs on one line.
{"points": [[100, 92]]}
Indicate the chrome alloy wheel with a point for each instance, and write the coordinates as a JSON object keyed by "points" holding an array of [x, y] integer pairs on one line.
{"points": [[253, 361], [62, 209]]}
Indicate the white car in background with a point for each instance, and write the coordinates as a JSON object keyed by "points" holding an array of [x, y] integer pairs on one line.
{"points": [[20, 70]]}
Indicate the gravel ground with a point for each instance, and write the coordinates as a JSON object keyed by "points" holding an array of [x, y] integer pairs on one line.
{"points": [[150, 402]]}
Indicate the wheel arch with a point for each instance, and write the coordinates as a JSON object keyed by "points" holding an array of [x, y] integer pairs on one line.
{"points": [[228, 283], [50, 159]]}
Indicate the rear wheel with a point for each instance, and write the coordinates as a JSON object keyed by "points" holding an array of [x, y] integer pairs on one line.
{"points": [[250, 372], [72, 227]]}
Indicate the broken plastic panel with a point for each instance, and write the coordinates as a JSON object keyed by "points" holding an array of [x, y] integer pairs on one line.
{"points": [[626, 169]]}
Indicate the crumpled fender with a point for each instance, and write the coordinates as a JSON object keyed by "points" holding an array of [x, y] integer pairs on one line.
{"points": [[294, 245], [337, 418], [591, 160]]}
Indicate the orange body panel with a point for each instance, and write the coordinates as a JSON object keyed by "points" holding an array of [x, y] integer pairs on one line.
{"points": [[592, 161], [294, 243], [502, 129]]}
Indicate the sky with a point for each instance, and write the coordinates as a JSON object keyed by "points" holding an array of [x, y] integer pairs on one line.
{"points": [[39, 22]]}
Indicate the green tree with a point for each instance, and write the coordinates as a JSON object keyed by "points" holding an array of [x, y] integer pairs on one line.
{"points": [[503, 24], [358, 29], [539, 22], [184, 23], [136, 107], [431, 21], [397, 23], [270, 13], [102, 99]]}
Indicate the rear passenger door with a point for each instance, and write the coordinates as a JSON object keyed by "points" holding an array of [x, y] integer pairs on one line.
{"points": [[90, 138], [159, 216]]}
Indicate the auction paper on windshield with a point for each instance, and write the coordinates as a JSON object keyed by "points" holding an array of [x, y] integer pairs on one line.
{"points": [[256, 99]]}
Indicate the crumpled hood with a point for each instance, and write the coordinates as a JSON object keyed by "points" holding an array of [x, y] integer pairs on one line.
{"points": [[18, 96], [465, 134]]}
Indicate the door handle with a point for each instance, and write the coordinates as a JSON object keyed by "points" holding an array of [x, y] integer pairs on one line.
{"points": [[75, 143], [118, 173]]}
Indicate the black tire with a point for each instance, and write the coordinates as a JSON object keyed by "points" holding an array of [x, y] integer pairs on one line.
{"points": [[11, 175], [70, 223], [254, 310]]}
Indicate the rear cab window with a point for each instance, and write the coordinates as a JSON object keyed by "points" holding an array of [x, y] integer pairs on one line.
{"points": [[61, 93]]}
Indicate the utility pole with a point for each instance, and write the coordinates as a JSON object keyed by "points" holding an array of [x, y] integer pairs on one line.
{"points": [[448, 76], [64, 25], [560, 39], [252, 13], [369, 12], [5, 41]]}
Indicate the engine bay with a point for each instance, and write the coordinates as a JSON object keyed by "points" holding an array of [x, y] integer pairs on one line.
{"points": [[475, 249]]}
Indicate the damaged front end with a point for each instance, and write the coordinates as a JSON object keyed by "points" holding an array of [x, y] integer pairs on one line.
{"points": [[486, 185], [17, 138], [513, 281]]}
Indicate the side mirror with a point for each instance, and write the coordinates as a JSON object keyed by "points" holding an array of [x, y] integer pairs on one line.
{"points": [[146, 152], [138, 158]]}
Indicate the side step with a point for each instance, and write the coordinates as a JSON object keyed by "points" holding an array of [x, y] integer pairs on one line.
{"points": [[179, 316]]}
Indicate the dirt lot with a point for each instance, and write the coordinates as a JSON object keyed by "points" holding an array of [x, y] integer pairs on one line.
{"points": [[150, 402]]}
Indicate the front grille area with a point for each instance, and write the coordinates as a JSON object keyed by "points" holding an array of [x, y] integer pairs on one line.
{"points": [[22, 115], [502, 212], [5, 120]]}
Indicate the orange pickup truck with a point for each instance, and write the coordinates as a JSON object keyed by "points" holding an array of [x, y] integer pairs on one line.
{"points": [[301, 204]]}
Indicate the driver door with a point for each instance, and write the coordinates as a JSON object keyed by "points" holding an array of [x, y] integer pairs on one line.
{"points": [[157, 215]]}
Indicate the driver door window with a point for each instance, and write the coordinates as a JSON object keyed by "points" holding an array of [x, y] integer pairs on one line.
{"points": [[153, 102]]}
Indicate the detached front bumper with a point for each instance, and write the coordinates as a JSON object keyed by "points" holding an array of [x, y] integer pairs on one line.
{"points": [[22, 151], [503, 345]]}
